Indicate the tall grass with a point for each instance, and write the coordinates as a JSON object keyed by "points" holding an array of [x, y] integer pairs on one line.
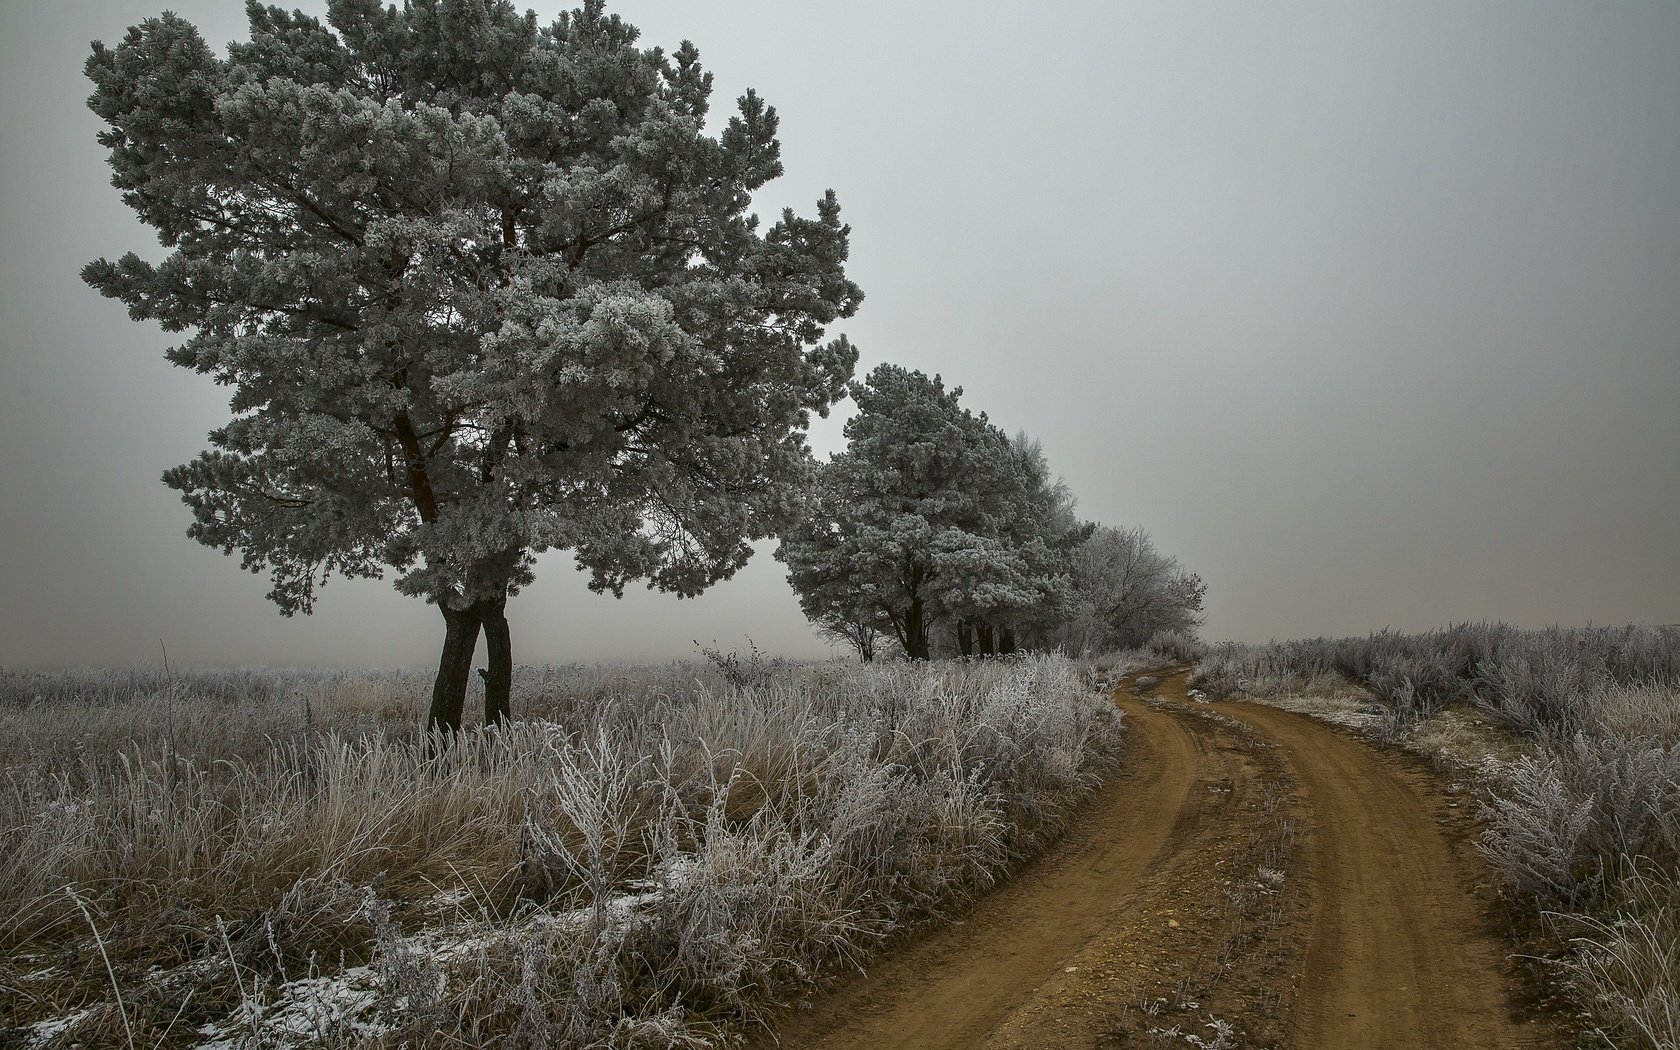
{"points": [[1585, 825], [647, 859]]}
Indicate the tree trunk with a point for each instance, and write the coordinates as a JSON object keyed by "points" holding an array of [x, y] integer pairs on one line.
{"points": [[1006, 640], [915, 632], [498, 676], [866, 644], [987, 640], [449, 689], [965, 637]]}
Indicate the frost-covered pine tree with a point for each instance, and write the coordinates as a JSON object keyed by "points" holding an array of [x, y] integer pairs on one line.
{"points": [[1041, 531], [910, 526], [482, 289]]}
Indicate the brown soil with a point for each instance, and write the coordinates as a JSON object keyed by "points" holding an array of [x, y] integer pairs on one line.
{"points": [[1250, 868]]}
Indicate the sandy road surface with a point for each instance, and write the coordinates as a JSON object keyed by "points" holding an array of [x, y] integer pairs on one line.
{"points": [[1141, 919], [951, 987], [1399, 952]]}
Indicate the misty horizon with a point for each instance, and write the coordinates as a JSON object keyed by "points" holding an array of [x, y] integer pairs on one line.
{"points": [[1367, 316]]}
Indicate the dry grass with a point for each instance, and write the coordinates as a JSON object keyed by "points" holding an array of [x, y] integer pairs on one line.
{"points": [[1628, 969], [649, 859]]}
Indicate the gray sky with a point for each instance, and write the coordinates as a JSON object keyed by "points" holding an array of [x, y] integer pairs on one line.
{"points": [[1370, 313]]}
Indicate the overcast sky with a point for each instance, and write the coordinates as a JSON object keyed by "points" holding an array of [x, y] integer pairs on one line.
{"points": [[1369, 313]]}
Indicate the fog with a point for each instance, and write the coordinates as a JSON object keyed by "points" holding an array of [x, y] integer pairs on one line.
{"points": [[1369, 313]]}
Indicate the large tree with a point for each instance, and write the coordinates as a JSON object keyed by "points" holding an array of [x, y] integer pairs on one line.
{"points": [[910, 525], [482, 289]]}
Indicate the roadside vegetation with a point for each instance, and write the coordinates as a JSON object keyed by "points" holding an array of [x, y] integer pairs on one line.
{"points": [[652, 859], [1578, 774]]}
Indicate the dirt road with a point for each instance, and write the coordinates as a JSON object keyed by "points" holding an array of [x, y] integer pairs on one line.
{"points": [[1253, 875]]}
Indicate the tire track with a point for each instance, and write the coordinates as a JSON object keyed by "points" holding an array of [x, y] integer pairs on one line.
{"points": [[1399, 954], [1388, 945]]}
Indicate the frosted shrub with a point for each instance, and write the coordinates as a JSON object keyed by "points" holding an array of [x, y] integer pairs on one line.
{"points": [[1537, 832], [1573, 813], [1177, 646], [1538, 688]]}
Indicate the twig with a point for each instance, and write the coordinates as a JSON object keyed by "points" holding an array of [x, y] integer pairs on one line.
{"points": [[172, 1020], [246, 1006], [109, 972]]}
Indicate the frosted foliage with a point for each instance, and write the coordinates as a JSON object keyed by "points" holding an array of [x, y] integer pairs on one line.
{"points": [[1571, 815], [481, 289], [930, 515], [1125, 592]]}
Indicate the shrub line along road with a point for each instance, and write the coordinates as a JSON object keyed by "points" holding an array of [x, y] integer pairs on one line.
{"points": [[1139, 921]]}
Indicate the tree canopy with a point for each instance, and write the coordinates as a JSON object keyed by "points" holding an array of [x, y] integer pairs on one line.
{"points": [[933, 518], [482, 289], [918, 521]]}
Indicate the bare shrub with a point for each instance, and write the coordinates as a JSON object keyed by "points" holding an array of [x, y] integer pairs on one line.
{"points": [[1177, 646], [754, 670]]}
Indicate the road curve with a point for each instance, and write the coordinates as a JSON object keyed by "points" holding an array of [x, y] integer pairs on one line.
{"points": [[1390, 941], [948, 988], [1399, 954]]}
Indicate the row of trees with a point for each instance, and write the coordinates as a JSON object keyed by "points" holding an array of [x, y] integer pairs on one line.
{"points": [[483, 288], [935, 531]]}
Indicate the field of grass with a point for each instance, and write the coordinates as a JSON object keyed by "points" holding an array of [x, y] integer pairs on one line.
{"points": [[1581, 809], [647, 857]]}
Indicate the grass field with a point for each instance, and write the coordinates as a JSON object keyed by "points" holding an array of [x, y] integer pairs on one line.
{"points": [[648, 857]]}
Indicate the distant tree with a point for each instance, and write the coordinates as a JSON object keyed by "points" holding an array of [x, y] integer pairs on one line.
{"points": [[1045, 532], [863, 634], [1125, 590], [482, 290], [906, 526]]}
